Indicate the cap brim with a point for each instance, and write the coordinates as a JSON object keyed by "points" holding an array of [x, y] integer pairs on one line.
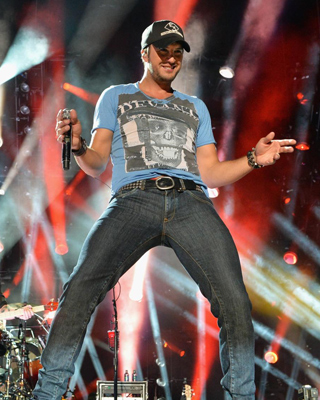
{"points": [[162, 43]]}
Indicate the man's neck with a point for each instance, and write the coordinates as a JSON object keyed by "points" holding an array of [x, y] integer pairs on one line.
{"points": [[155, 89]]}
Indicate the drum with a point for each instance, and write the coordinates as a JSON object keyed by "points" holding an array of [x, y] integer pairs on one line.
{"points": [[33, 364], [31, 371]]}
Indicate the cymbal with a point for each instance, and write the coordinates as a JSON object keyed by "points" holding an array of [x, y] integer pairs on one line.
{"points": [[32, 340]]}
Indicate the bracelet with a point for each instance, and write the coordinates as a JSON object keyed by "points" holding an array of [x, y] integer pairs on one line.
{"points": [[82, 150], [251, 161]]}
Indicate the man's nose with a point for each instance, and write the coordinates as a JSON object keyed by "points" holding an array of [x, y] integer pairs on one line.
{"points": [[171, 57]]}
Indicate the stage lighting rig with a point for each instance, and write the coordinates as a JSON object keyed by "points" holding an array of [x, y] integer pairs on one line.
{"points": [[29, 92], [22, 99]]}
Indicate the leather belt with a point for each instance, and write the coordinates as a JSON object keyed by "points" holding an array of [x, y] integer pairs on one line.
{"points": [[163, 183]]}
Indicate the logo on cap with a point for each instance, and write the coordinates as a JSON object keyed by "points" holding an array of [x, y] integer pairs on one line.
{"points": [[171, 27]]}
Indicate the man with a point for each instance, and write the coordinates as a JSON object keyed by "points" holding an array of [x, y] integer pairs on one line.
{"points": [[163, 155]]}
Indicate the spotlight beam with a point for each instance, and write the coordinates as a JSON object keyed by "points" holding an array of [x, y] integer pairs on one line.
{"points": [[27, 148], [263, 331], [275, 372], [306, 244], [284, 297], [30, 48], [2, 98], [93, 25], [157, 339], [202, 367], [298, 352]]}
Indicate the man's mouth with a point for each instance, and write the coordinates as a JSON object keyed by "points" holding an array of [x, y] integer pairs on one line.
{"points": [[169, 67]]}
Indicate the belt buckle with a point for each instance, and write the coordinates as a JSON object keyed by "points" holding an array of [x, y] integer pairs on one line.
{"points": [[162, 178]]}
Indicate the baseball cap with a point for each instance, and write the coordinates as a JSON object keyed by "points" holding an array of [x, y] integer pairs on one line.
{"points": [[162, 33]]}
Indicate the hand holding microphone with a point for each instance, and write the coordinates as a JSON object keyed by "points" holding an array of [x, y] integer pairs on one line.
{"points": [[68, 133], [66, 146]]}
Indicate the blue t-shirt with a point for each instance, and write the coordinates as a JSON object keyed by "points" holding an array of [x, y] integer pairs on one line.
{"points": [[152, 137]]}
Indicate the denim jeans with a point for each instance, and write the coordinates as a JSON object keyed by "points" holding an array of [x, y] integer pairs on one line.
{"points": [[135, 221]]}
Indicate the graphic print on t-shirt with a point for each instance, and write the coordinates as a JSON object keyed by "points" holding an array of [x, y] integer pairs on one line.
{"points": [[157, 134]]}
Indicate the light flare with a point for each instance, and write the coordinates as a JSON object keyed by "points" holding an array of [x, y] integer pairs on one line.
{"points": [[271, 357], [30, 48], [302, 146], [290, 257], [61, 248], [136, 292]]}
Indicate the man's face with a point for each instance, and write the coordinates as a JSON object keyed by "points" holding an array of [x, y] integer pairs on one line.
{"points": [[164, 64]]}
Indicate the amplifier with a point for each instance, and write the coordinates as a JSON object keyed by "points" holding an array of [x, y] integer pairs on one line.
{"points": [[137, 390]]}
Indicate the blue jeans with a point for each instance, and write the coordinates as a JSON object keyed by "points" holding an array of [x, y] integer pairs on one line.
{"points": [[135, 221]]}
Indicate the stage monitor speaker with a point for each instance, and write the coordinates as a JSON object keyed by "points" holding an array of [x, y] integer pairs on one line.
{"points": [[137, 390]]}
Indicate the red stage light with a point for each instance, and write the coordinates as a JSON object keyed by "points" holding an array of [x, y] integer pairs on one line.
{"points": [[271, 357], [61, 249], [83, 94], [290, 257], [286, 200], [303, 146], [301, 98]]}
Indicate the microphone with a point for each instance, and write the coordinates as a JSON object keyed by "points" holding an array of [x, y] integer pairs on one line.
{"points": [[66, 146]]}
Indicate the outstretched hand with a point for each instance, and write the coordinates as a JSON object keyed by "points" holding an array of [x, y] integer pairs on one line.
{"points": [[268, 150]]}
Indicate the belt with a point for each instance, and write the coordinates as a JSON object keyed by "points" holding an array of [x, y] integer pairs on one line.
{"points": [[163, 183]]}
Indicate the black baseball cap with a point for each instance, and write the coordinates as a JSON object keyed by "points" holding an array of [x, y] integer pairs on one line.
{"points": [[162, 33]]}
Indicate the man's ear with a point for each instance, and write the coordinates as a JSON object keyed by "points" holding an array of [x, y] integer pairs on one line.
{"points": [[145, 55]]}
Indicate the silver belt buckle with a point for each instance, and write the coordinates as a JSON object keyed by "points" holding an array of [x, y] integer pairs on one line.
{"points": [[169, 186]]}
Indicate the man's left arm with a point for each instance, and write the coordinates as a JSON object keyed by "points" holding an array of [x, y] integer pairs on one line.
{"points": [[215, 173], [26, 312]]}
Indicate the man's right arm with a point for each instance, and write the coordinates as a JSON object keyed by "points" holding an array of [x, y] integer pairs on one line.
{"points": [[94, 161]]}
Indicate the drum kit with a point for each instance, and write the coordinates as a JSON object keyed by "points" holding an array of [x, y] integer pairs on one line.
{"points": [[20, 351]]}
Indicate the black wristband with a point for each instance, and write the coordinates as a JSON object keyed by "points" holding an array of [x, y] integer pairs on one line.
{"points": [[251, 160], [82, 150]]}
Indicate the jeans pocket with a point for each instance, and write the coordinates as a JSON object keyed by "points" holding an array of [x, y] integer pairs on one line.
{"points": [[125, 193], [199, 196]]}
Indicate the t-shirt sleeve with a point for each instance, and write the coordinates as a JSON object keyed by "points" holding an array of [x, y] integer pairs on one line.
{"points": [[205, 134], [105, 114]]}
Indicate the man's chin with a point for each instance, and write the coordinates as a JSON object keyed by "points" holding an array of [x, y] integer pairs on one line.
{"points": [[172, 75], [168, 76]]}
